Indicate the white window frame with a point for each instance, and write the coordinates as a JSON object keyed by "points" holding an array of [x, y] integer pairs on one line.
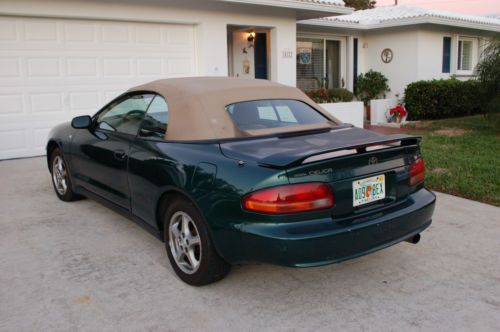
{"points": [[343, 52], [474, 55]]}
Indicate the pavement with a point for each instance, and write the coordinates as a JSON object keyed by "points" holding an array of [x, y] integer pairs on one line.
{"points": [[81, 267]]}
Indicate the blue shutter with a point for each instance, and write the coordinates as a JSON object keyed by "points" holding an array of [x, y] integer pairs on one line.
{"points": [[446, 54], [355, 64]]}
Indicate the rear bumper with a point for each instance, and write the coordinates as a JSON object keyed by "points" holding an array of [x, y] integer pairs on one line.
{"points": [[320, 242]]}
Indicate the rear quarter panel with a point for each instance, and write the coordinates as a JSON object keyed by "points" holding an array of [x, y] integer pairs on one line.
{"points": [[215, 184]]}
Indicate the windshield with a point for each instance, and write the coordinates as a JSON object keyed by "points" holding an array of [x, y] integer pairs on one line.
{"points": [[273, 113]]}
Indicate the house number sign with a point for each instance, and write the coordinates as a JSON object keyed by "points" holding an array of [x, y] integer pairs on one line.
{"points": [[387, 55], [287, 53]]}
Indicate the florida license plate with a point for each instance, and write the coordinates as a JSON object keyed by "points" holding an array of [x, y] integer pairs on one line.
{"points": [[368, 190]]}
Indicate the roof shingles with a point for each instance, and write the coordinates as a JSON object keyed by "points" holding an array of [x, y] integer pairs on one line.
{"points": [[379, 15]]}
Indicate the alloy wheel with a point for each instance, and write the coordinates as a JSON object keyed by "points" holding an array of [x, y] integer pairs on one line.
{"points": [[184, 242], [60, 175]]}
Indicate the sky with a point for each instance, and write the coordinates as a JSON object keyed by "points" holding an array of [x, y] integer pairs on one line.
{"points": [[471, 7]]}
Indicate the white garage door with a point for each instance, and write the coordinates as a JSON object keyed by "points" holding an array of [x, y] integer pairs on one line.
{"points": [[52, 70]]}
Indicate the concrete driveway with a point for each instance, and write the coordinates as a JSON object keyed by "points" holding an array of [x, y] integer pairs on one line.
{"points": [[81, 267]]}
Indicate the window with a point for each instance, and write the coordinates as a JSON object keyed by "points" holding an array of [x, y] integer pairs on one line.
{"points": [[125, 115], [465, 55], [318, 63], [156, 119], [446, 54], [264, 114]]}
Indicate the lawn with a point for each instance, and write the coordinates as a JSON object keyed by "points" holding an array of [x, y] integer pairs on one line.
{"points": [[462, 156]]}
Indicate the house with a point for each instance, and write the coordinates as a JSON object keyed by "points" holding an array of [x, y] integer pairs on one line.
{"points": [[59, 59], [405, 43]]}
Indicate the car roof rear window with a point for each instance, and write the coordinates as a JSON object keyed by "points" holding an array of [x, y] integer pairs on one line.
{"points": [[273, 113]]}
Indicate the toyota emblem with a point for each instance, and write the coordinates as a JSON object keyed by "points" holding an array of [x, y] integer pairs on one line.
{"points": [[373, 161]]}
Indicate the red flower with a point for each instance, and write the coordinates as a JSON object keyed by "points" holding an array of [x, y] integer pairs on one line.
{"points": [[398, 110]]}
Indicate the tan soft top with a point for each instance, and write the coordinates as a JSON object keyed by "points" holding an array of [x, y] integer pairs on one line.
{"points": [[197, 105]]}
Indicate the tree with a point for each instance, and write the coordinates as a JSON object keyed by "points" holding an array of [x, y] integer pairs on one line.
{"points": [[360, 4], [488, 75]]}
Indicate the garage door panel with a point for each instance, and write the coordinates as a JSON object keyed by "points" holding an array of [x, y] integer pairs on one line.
{"points": [[13, 139], [53, 69], [45, 67], [46, 102], [40, 30], [82, 67], [8, 31], [87, 101], [75, 32], [9, 67], [114, 33], [11, 104], [148, 35]]}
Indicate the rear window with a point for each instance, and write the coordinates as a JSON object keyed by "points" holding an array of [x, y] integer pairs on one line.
{"points": [[265, 114]]}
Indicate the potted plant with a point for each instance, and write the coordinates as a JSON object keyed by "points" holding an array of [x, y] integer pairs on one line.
{"points": [[370, 86]]}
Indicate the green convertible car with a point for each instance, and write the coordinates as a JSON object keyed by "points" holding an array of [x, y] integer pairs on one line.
{"points": [[228, 171]]}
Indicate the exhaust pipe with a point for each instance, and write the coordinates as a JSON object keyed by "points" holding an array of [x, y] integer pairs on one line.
{"points": [[414, 239]]}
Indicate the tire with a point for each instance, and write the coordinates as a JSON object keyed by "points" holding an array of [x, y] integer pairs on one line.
{"points": [[186, 236], [61, 179]]}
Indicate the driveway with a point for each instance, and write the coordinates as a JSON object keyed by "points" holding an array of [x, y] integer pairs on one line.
{"points": [[81, 267]]}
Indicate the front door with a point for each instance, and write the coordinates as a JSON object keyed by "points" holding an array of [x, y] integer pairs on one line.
{"points": [[100, 155], [260, 55]]}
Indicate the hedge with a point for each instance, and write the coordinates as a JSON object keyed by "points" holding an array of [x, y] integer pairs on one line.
{"points": [[438, 99], [335, 95]]}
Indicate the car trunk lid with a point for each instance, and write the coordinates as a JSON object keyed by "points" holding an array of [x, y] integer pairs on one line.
{"points": [[339, 157]]}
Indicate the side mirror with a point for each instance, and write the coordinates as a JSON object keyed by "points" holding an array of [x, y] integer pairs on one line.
{"points": [[81, 122]]}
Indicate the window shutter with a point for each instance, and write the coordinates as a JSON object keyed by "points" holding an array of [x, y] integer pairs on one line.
{"points": [[446, 54]]}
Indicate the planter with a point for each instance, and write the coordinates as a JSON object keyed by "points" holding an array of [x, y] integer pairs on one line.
{"points": [[379, 108], [351, 112], [368, 111]]}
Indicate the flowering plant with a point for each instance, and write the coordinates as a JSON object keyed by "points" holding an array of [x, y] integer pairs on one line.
{"points": [[397, 113], [318, 95]]}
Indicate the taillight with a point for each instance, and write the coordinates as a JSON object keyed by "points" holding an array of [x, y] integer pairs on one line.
{"points": [[290, 198], [417, 172]]}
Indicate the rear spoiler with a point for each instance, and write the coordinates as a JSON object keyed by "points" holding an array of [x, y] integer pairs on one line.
{"points": [[298, 156]]}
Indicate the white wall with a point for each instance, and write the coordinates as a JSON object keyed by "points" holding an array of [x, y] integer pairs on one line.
{"points": [[211, 20], [430, 55], [418, 54], [403, 68]]}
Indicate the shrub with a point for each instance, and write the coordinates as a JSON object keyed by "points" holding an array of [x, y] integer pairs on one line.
{"points": [[438, 99], [488, 74], [371, 85], [335, 95], [338, 95]]}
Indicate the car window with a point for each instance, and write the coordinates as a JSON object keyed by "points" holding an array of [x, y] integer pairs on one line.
{"points": [[155, 121], [264, 114], [125, 115]]}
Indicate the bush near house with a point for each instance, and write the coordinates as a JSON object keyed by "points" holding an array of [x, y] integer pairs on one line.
{"points": [[336, 95], [439, 99], [371, 85]]}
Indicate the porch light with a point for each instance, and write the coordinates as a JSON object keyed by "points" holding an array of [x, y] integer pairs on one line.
{"points": [[251, 37]]}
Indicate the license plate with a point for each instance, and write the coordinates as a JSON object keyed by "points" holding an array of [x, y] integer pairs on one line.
{"points": [[368, 190]]}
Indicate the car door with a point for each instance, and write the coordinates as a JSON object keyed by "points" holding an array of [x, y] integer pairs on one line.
{"points": [[100, 155], [150, 167]]}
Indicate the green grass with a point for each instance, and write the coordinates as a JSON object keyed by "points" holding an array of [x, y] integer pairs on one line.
{"points": [[462, 156]]}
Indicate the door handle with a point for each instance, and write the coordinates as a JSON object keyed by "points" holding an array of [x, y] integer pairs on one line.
{"points": [[119, 154]]}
